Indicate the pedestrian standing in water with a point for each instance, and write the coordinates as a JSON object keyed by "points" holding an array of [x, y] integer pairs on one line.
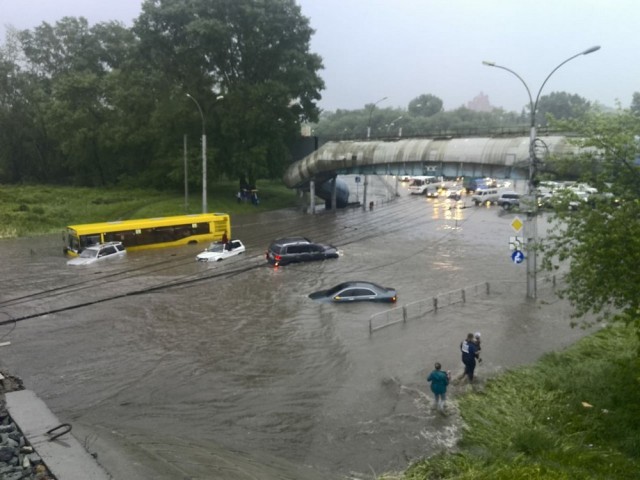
{"points": [[439, 381], [469, 350]]}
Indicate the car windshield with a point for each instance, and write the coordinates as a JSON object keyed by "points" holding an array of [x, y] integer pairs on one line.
{"points": [[216, 247], [89, 253]]}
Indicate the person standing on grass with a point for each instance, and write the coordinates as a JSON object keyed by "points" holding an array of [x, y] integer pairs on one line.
{"points": [[439, 381], [469, 351]]}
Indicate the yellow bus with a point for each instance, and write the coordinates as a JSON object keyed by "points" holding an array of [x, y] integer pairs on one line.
{"points": [[146, 233]]}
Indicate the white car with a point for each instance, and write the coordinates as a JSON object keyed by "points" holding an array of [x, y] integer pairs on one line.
{"points": [[99, 253], [218, 251]]}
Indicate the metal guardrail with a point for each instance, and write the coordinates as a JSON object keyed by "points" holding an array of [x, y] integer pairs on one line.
{"points": [[420, 308]]}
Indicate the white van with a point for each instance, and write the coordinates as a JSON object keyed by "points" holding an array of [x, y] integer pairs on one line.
{"points": [[418, 185], [485, 195]]}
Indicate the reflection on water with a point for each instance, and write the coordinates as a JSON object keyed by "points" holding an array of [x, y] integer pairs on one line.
{"points": [[237, 361]]}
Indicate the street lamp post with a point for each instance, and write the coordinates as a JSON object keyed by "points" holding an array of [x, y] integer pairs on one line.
{"points": [[204, 154], [393, 122], [366, 177], [371, 113], [531, 227], [204, 157]]}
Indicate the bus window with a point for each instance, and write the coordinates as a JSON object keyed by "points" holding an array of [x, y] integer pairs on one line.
{"points": [[88, 240], [203, 227]]}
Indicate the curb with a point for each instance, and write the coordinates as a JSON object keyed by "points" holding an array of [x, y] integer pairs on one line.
{"points": [[61, 452]]}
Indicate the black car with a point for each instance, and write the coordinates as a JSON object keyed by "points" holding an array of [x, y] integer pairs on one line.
{"points": [[357, 291], [298, 249]]}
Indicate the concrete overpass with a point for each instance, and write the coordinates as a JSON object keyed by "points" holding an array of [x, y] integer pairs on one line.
{"points": [[496, 157]]}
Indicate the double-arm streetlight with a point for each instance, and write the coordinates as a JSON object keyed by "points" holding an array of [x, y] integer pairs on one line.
{"points": [[204, 154], [371, 113], [531, 227]]}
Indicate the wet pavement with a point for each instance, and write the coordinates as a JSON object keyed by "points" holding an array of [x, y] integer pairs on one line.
{"points": [[169, 368]]}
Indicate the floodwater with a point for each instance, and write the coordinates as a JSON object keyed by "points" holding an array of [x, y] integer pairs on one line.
{"points": [[168, 368]]}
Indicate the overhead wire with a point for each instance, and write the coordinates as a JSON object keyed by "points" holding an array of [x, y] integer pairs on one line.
{"points": [[361, 229]]}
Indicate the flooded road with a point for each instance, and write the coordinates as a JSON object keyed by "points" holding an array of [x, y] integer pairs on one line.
{"points": [[173, 369]]}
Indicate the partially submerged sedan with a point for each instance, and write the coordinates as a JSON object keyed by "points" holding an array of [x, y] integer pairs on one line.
{"points": [[357, 291], [218, 251], [98, 253]]}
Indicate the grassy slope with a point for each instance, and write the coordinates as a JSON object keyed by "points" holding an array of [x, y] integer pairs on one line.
{"points": [[35, 210], [531, 423]]}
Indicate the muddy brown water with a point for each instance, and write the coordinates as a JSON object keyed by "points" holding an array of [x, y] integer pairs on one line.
{"points": [[173, 369]]}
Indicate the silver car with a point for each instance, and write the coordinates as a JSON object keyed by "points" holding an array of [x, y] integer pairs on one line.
{"points": [[99, 253]]}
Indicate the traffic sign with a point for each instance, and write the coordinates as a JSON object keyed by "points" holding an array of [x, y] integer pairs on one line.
{"points": [[516, 243], [517, 224], [517, 256], [357, 179]]}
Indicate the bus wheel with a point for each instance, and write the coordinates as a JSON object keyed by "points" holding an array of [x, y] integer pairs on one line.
{"points": [[192, 242]]}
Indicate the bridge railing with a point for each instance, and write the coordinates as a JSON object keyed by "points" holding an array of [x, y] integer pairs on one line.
{"points": [[518, 131]]}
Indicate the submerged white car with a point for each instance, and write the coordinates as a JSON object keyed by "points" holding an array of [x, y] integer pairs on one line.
{"points": [[218, 251], [99, 253]]}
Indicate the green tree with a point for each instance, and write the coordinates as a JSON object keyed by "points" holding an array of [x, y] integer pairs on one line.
{"points": [[601, 244], [635, 103], [66, 114], [27, 150], [425, 105], [562, 106], [256, 54]]}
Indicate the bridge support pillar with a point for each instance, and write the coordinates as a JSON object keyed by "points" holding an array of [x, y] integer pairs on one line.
{"points": [[333, 193], [312, 197], [364, 193]]}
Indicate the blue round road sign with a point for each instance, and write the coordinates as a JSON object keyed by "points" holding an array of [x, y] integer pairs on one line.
{"points": [[517, 256]]}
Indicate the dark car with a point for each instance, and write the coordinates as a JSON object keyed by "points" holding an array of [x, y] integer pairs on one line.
{"points": [[357, 291], [298, 249]]}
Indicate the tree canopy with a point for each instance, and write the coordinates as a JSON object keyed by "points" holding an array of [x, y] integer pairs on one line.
{"points": [[424, 116], [601, 243], [425, 105], [108, 104], [635, 103], [561, 106]]}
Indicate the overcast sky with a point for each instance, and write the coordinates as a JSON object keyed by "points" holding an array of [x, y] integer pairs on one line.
{"points": [[401, 49]]}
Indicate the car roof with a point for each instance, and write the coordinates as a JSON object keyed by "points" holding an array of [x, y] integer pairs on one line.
{"points": [[102, 245], [358, 283], [288, 240]]}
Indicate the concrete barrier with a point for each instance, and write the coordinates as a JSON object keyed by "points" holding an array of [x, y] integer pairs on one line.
{"points": [[60, 451]]}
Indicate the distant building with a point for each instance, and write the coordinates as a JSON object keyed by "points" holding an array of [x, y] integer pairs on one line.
{"points": [[480, 103]]}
